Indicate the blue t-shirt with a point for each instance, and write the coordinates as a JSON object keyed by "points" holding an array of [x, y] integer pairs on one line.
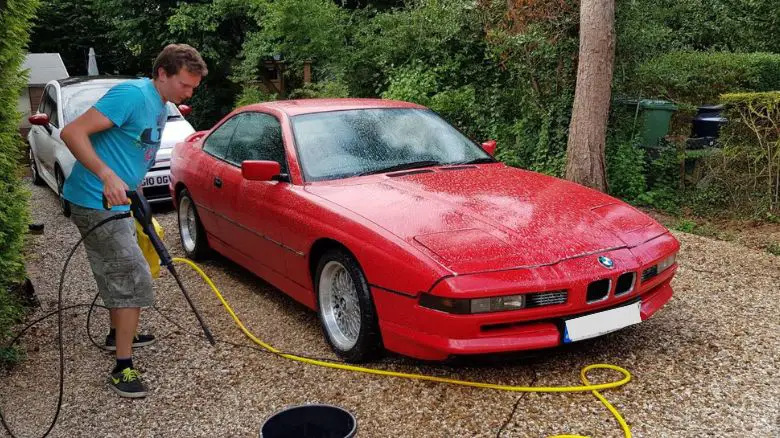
{"points": [[128, 148]]}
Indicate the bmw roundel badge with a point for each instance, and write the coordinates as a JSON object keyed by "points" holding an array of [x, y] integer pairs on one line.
{"points": [[606, 262]]}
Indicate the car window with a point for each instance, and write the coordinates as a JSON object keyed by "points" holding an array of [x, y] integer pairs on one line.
{"points": [[42, 107], [217, 143], [258, 137], [50, 105], [77, 99], [54, 118]]}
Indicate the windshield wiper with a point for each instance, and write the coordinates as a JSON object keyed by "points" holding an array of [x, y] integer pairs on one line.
{"points": [[477, 161], [403, 166]]}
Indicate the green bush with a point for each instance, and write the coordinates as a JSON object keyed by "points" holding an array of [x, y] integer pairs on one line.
{"points": [[251, 94], [749, 166], [321, 89], [701, 77], [14, 32]]}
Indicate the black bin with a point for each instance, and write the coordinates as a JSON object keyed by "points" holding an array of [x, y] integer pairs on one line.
{"points": [[310, 421], [708, 121]]}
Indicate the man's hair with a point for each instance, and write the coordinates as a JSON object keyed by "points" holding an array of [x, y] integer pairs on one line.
{"points": [[174, 57]]}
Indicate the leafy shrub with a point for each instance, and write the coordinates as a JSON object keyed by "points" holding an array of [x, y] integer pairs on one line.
{"points": [[321, 89], [14, 28], [626, 170], [251, 94], [749, 166], [700, 77]]}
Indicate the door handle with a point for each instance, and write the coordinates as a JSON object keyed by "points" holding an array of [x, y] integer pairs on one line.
{"points": [[217, 182]]}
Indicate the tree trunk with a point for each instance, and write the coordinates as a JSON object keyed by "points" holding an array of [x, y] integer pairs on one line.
{"points": [[585, 162]]}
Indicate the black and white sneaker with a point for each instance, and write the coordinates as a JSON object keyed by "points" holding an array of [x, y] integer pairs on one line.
{"points": [[138, 341], [127, 383]]}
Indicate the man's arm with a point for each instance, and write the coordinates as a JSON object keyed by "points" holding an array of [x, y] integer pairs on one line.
{"points": [[76, 138]]}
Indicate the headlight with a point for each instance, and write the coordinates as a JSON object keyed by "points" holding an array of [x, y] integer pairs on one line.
{"points": [[497, 304], [465, 306], [666, 263], [656, 269]]}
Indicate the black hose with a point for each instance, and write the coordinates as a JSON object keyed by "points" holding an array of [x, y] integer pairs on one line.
{"points": [[92, 306], [59, 326]]}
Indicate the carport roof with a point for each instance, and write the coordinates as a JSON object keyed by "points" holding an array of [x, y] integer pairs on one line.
{"points": [[44, 67]]}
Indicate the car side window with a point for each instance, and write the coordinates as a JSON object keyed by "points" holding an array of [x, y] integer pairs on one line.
{"points": [[51, 106], [217, 143], [258, 137], [42, 107]]}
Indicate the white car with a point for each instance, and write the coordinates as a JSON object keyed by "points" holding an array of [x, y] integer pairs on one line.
{"points": [[62, 102]]}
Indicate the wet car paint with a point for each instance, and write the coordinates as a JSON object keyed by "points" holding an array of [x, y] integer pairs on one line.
{"points": [[460, 231]]}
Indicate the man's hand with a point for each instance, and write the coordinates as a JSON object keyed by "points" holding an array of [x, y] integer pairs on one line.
{"points": [[114, 189]]}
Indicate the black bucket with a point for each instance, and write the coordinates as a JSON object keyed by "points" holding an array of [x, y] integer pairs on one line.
{"points": [[310, 421]]}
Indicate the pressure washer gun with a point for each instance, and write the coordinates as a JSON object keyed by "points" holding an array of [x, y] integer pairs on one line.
{"points": [[142, 212]]}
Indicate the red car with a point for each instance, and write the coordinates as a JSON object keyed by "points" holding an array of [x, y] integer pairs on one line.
{"points": [[404, 234]]}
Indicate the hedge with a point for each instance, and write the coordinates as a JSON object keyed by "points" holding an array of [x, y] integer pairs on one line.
{"points": [[14, 34], [701, 77], [749, 167]]}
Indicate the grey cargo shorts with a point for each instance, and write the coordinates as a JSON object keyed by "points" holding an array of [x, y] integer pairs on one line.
{"points": [[121, 271]]}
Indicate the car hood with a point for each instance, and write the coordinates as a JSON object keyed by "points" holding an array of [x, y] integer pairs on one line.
{"points": [[478, 218], [176, 130]]}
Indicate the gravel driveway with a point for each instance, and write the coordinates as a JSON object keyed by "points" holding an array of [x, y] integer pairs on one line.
{"points": [[704, 365]]}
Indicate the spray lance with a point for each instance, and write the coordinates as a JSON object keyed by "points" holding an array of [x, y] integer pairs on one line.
{"points": [[142, 212]]}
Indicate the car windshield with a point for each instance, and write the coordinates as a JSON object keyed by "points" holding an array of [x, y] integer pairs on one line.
{"points": [[77, 99], [173, 111], [341, 144]]}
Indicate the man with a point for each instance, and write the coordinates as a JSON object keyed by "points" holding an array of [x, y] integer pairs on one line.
{"points": [[115, 143]]}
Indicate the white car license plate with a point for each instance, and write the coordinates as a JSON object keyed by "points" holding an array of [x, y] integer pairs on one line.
{"points": [[601, 323], [155, 179]]}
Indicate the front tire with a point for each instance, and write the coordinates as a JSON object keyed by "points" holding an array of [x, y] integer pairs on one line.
{"points": [[191, 231], [36, 176], [346, 309], [64, 203]]}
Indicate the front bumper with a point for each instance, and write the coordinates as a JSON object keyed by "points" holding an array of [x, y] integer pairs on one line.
{"points": [[412, 330]]}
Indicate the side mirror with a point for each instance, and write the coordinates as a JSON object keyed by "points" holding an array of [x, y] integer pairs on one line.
{"points": [[489, 147], [40, 119], [185, 110], [260, 170]]}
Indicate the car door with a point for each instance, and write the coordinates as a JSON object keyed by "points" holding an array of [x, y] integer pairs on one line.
{"points": [[254, 227], [207, 189]]}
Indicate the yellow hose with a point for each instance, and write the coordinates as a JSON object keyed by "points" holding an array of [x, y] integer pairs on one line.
{"points": [[586, 386]]}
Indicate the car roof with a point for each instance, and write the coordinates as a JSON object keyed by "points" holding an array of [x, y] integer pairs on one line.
{"points": [[74, 80], [309, 106]]}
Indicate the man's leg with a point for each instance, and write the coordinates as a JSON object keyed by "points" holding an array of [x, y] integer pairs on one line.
{"points": [[125, 321], [125, 285]]}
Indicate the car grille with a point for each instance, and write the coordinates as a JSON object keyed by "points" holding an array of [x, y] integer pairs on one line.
{"points": [[539, 299], [625, 283], [598, 290]]}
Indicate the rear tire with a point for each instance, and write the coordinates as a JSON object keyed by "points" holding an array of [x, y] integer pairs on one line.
{"points": [[191, 231], [36, 176], [346, 310], [64, 203]]}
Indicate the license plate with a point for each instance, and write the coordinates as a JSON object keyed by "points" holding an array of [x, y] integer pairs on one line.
{"points": [[601, 323], [156, 180]]}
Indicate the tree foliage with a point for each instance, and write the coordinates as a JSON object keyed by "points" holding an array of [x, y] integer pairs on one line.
{"points": [[77, 26], [502, 69]]}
